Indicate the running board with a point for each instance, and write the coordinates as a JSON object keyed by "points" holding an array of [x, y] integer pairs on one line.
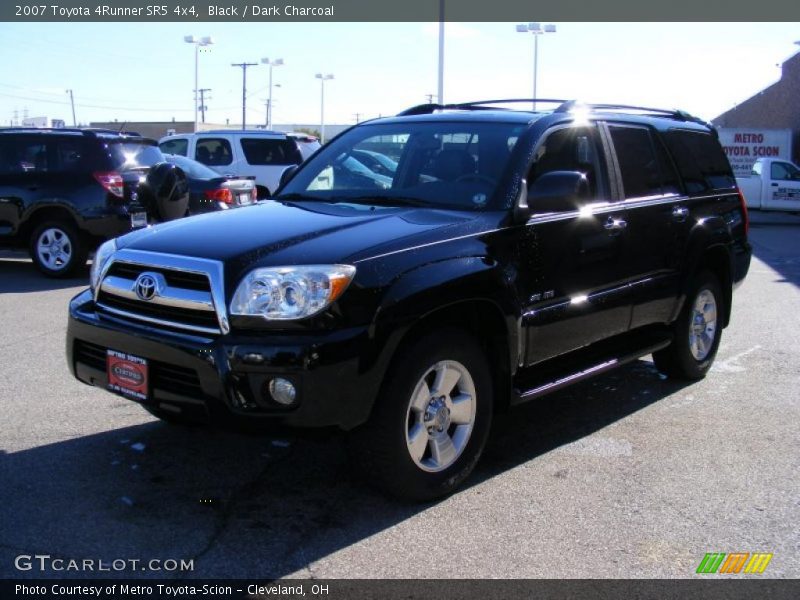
{"points": [[558, 373]]}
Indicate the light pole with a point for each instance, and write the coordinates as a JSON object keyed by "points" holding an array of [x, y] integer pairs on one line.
{"points": [[198, 42], [272, 63], [322, 79], [440, 72], [536, 29]]}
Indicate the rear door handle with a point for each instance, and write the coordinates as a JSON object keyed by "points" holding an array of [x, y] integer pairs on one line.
{"points": [[774, 185], [615, 226], [679, 213]]}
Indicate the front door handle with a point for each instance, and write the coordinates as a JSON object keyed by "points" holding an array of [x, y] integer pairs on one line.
{"points": [[615, 226], [679, 213], [774, 185]]}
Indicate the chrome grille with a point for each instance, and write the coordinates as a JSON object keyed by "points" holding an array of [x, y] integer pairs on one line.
{"points": [[189, 294]]}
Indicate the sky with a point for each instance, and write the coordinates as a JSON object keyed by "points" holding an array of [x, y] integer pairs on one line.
{"points": [[145, 72]]}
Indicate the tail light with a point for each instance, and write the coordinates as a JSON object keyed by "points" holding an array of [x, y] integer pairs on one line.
{"points": [[111, 181], [254, 194], [220, 195], [745, 216]]}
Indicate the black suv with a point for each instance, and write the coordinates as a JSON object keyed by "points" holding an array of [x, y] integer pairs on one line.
{"points": [[62, 191], [510, 254]]}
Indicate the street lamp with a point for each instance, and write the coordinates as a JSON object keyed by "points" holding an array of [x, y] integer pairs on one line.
{"points": [[198, 42], [536, 29], [272, 63], [322, 79]]}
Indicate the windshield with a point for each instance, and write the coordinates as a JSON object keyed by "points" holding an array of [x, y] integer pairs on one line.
{"points": [[133, 155], [436, 164], [192, 168]]}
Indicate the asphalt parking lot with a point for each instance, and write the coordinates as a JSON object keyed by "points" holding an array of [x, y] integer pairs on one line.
{"points": [[629, 475]]}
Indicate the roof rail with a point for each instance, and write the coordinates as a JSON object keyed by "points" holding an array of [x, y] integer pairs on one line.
{"points": [[674, 113], [425, 109], [84, 130]]}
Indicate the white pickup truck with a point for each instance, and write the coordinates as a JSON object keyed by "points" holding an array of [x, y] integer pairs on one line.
{"points": [[774, 184]]}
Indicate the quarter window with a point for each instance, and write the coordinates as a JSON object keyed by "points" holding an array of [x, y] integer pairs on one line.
{"points": [[214, 152], [271, 151], [701, 162], [179, 146]]}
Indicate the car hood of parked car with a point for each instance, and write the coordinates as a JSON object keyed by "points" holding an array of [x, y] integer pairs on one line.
{"points": [[276, 233]]}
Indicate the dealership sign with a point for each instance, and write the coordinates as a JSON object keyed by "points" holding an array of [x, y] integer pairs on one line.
{"points": [[744, 146]]}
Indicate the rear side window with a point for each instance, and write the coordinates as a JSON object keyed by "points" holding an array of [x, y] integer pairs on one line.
{"points": [[23, 155], [638, 163], [700, 159], [214, 152], [179, 146], [133, 155], [271, 152], [71, 155]]}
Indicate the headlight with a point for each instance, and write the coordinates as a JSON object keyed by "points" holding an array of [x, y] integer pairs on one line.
{"points": [[101, 256], [285, 293]]}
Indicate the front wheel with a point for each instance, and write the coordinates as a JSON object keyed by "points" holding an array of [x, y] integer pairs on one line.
{"points": [[697, 332], [430, 423], [57, 249]]}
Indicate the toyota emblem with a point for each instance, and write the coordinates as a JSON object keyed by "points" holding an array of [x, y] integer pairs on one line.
{"points": [[146, 286]]}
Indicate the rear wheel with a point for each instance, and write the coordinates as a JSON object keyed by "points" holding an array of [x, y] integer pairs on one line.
{"points": [[697, 332], [57, 249], [431, 420]]}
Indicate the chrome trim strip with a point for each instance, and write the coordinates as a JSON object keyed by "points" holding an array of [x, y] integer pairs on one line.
{"points": [[137, 317], [213, 269], [169, 296]]}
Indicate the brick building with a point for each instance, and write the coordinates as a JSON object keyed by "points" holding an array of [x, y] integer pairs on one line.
{"points": [[774, 107]]}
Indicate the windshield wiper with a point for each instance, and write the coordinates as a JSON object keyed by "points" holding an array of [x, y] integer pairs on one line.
{"points": [[296, 196], [386, 200]]}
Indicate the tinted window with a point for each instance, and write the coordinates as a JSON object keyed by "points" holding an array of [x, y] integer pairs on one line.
{"points": [[271, 152], [192, 168], [177, 146], [568, 149], [133, 155], [214, 152], [23, 155], [638, 165], [71, 155], [700, 160]]}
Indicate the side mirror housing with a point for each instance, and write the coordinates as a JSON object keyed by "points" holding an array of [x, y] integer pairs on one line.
{"points": [[286, 176], [558, 191]]}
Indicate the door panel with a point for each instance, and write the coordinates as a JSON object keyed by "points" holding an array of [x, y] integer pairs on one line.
{"points": [[782, 189]]}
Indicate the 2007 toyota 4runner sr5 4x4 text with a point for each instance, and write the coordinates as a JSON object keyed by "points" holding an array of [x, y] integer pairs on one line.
{"points": [[495, 256]]}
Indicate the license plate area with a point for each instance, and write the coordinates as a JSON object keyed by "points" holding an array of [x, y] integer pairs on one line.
{"points": [[245, 199], [138, 220], [127, 374]]}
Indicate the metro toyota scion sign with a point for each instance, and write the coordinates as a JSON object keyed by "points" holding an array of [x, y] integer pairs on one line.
{"points": [[744, 146]]}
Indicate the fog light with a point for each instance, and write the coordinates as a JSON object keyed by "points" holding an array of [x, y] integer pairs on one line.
{"points": [[282, 391]]}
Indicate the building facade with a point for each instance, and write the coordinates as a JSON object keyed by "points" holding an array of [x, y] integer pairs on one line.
{"points": [[775, 107]]}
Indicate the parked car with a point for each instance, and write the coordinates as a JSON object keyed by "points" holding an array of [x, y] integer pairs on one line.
{"points": [[264, 154], [513, 254], [376, 162], [773, 184], [210, 191], [62, 191], [308, 144]]}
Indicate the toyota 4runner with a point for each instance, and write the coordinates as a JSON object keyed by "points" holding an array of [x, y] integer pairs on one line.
{"points": [[507, 255]]}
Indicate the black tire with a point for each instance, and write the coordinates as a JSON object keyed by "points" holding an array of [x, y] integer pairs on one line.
{"points": [[71, 242], [677, 360], [380, 447]]}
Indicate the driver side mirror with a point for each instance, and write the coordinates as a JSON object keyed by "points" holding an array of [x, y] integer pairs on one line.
{"points": [[558, 191], [287, 175]]}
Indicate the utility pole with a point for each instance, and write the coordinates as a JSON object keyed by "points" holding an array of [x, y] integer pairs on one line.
{"points": [[244, 66], [203, 102], [441, 53], [72, 102], [430, 98], [358, 117]]}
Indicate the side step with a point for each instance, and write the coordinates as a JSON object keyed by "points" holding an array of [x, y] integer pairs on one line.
{"points": [[560, 372]]}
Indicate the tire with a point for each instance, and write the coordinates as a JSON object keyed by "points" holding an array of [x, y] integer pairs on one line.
{"points": [[58, 249], [695, 343], [447, 446]]}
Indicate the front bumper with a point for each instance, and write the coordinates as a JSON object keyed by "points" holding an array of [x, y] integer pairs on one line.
{"points": [[225, 379]]}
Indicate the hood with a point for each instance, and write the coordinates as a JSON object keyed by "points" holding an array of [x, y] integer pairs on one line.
{"points": [[273, 233]]}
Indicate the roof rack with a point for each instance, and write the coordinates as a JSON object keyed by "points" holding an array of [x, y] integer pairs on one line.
{"points": [[425, 109], [84, 130], [563, 107]]}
